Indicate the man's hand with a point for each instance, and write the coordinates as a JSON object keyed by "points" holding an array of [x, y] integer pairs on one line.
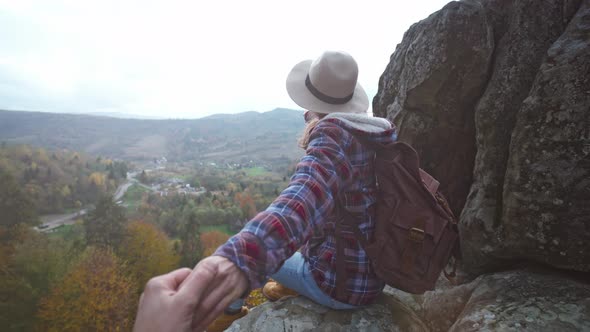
{"points": [[183, 300], [215, 282], [163, 306]]}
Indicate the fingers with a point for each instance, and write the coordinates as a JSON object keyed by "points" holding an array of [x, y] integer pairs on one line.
{"points": [[217, 310], [169, 281], [198, 283], [173, 279], [208, 304], [212, 285], [229, 284]]}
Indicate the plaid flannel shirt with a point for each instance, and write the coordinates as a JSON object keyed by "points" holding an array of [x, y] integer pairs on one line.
{"points": [[303, 217]]}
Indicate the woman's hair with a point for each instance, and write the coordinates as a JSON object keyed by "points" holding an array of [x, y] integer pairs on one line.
{"points": [[312, 119]]}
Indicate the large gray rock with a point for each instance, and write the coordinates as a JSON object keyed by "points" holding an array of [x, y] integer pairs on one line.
{"points": [[532, 27], [520, 300], [546, 198], [430, 87], [299, 314], [525, 301], [438, 309], [494, 96]]}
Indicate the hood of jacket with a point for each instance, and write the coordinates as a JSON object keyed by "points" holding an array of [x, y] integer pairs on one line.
{"points": [[371, 128]]}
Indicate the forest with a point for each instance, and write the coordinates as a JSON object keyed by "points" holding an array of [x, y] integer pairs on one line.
{"points": [[60, 180], [89, 275]]}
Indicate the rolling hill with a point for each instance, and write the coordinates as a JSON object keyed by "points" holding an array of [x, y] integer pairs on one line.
{"points": [[262, 137]]}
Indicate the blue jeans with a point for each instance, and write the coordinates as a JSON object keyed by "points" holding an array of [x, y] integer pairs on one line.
{"points": [[295, 274]]}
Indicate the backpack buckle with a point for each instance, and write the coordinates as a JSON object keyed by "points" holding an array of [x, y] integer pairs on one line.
{"points": [[416, 234]]}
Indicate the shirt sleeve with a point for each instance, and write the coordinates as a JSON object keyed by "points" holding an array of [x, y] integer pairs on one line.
{"points": [[273, 235]]}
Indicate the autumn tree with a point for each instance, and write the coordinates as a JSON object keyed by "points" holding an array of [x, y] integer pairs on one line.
{"points": [[211, 240], [43, 260], [105, 225], [246, 202], [15, 206], [56, 180], [147, 252], [37, 262], [96, 295], [18, 303]]}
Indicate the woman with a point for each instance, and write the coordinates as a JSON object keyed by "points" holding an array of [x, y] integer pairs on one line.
{"points": [[293, 240]]}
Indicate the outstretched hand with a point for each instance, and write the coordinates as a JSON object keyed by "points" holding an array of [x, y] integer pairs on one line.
{"points": [[185, 300], [163, 306]]}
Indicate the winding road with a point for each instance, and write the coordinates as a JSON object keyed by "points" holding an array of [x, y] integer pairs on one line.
{"points": [[50, 222]]}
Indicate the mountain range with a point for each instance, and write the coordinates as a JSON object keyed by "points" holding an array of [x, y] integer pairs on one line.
{"points": [[224, 138]]}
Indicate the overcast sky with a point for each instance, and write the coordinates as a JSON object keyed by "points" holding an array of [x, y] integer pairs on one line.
{"points": [[185, 59]]}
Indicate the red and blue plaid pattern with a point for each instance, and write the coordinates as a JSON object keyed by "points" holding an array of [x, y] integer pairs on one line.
{"points": [[336, 166]]}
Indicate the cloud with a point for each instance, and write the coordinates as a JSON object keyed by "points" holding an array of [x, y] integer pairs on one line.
{"points": [[184, 58]]}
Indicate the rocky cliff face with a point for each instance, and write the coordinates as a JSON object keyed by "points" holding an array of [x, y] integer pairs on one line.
{"points": [[495, 96]]}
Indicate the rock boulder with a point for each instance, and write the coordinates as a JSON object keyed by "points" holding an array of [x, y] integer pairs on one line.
{"points": [[495, 96]]}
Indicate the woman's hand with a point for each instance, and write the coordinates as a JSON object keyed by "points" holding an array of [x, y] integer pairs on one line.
{"points": [[215, 282]]}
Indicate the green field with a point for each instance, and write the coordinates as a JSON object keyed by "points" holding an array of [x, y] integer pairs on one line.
{"points": [[221, 228], [134, 193], [68, 232], [132, 197], [256, 171]]}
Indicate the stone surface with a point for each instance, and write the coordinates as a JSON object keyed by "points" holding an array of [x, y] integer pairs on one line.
{"points": [[519, 300], [531, 27], [546, 199], [299, 314], [494, 96], [525, 301], [438, 309]]}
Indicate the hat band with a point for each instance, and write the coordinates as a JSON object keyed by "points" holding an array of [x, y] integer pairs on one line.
{"points": [[325, 98]]}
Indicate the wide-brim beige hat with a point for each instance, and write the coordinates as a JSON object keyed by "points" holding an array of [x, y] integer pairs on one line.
{"points": [[328, 84]]}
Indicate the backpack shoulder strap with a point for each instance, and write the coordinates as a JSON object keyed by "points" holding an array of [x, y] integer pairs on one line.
{"points": [[341, 275]]}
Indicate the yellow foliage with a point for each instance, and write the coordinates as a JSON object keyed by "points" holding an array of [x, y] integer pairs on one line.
{"points": [[41, 156], [95, 295], [97, 178], [255, 298], [65, 191], [231, 187], [147, 251]]}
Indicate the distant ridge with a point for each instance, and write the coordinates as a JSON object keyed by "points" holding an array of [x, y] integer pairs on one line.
{"points": [[250, 113], [122, 115], [118, 115], [263, 137]]}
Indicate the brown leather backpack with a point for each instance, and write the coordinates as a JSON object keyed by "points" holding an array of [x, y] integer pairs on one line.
{"points": [[415, 233]]}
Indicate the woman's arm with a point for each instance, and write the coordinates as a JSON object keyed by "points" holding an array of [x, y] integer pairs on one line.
{"points": [[275, 234]]}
